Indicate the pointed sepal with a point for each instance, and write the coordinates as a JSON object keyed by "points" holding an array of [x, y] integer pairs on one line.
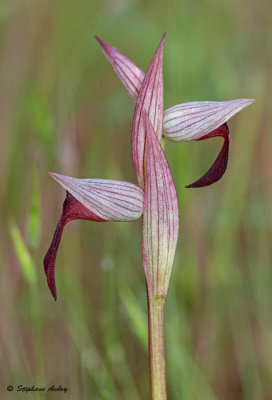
{"points": [[95, 200], [150, 101], [129, 74], [160, 217], [191, 121], [109, 199]]}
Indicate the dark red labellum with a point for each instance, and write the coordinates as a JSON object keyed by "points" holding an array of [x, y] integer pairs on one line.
{"points": [[72, 209], [219, 167]]}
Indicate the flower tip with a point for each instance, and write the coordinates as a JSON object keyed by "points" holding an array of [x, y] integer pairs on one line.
{"points": [[163, 40], [192, 185], [248, 101], [53, 292], [107, 49], [239, 104], [161, 44], [49, 269], [219, 167], [55, 176], [100, 41], [58, 178]]}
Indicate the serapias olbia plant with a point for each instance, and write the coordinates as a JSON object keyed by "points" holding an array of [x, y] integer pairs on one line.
{"points": [[155, 198]]}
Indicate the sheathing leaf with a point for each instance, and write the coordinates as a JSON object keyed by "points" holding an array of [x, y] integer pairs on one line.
{"points": [[160, 217]]}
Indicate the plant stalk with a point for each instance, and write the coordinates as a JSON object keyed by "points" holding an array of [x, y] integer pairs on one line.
{"points": [[156, 347]]}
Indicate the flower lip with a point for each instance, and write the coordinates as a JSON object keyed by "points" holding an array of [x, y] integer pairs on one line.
{"points": [[219, 166], [72, 209], [97, 200]]}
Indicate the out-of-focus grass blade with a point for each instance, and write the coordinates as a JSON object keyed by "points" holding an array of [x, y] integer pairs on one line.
{"points": [[79, 317], [187, 380], [34, 214], [137, 316], [42, 118], [23, 255], [124, 381]]}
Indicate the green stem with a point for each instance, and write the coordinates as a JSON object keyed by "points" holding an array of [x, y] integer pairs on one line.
{"points": [[156, 347]]}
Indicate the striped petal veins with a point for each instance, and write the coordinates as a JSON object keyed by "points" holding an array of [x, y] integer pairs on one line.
{"points": [[191, 121], [129, 74], [150, 101], [160, 217], [97, 200]]}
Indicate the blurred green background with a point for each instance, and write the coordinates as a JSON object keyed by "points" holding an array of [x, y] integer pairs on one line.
{"points": [[63, 109]]}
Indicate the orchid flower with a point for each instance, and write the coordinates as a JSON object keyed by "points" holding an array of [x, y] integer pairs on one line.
{"points": [[155, 198], [97, 200], [196, 120]]}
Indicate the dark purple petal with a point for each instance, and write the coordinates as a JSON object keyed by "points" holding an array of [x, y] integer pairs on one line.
{"points": [[72, 209], [218, 168]]}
